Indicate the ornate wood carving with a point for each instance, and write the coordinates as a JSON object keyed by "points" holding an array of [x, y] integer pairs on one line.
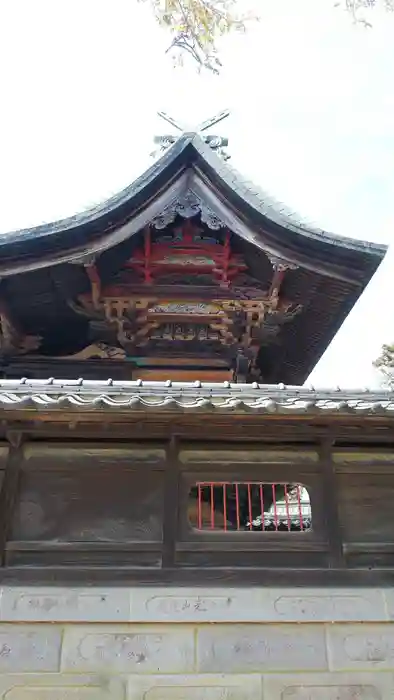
{"points": [[186, 248], [12, 339], [144, 318], [100, 351], [186, 291]]}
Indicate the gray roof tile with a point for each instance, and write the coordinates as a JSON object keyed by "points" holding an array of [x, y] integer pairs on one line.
{"points": [[193, 396]]}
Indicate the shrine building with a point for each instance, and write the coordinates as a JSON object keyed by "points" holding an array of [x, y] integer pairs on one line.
{"points": [[176, 507]]}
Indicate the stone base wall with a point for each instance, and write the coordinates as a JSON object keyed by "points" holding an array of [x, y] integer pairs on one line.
{"points": [[202, 644]]}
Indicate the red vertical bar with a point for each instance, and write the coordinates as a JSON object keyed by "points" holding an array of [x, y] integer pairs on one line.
{"points": [[250, 507], [237, 505], [212, 509], [287, 509], [262, 507], [199, 514], [300, 507], [275, 509], [225, 506]]}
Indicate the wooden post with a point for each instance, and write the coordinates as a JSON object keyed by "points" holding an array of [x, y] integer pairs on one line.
{"points": [[171, 504], [9, 491], [330, 505]]}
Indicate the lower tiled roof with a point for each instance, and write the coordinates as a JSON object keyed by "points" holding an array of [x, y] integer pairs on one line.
{"points": [[193, 396]]}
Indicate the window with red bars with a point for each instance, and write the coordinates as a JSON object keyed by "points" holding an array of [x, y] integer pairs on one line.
{"points": [[249, 506]]}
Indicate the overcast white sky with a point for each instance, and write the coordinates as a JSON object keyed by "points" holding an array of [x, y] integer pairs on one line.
{"points": [[312, 122]]}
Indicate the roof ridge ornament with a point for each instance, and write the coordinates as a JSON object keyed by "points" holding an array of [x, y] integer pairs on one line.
{"points": [[188, 205], [216, 143]]}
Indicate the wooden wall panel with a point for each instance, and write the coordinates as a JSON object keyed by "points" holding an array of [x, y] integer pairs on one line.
{"points": [[109, 506], [366, 507], [125, 505], [77, 504]]}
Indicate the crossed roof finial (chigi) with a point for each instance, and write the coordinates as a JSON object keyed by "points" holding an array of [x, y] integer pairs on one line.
{"points": [[217, 143]]}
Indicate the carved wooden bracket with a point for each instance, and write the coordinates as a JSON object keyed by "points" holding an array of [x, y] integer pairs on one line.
{"points": [[12, 339]]}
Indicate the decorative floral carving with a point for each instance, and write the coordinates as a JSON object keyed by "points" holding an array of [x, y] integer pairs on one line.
{"points": [[187, 206], [184, 308], [101, 351], [185, 332]]}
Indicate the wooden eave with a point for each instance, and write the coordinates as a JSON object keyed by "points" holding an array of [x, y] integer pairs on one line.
{"points": [[332, 271], [259, 219]]}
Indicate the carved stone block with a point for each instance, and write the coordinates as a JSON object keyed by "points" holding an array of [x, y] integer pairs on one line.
{"points": [[330, 686], [193, 605], [61, 687], [29, 649], [126, 649], [64, 605], [188, 604], [259, 648], [361, 647], [211, 687], [323, 605]]}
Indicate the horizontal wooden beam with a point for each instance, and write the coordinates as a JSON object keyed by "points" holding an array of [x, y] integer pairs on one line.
{"points": [[195, 576]]}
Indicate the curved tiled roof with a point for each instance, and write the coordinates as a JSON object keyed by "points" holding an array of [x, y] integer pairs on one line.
{"points": [[55, 242], [177, 396], [276, 211], [331, 271]]}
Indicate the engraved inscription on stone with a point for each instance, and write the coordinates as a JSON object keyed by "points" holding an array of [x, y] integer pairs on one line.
{"points": [[70, 605], [322, 607], [333, 692], [46, 603], [128, 652], [192, 605]]}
